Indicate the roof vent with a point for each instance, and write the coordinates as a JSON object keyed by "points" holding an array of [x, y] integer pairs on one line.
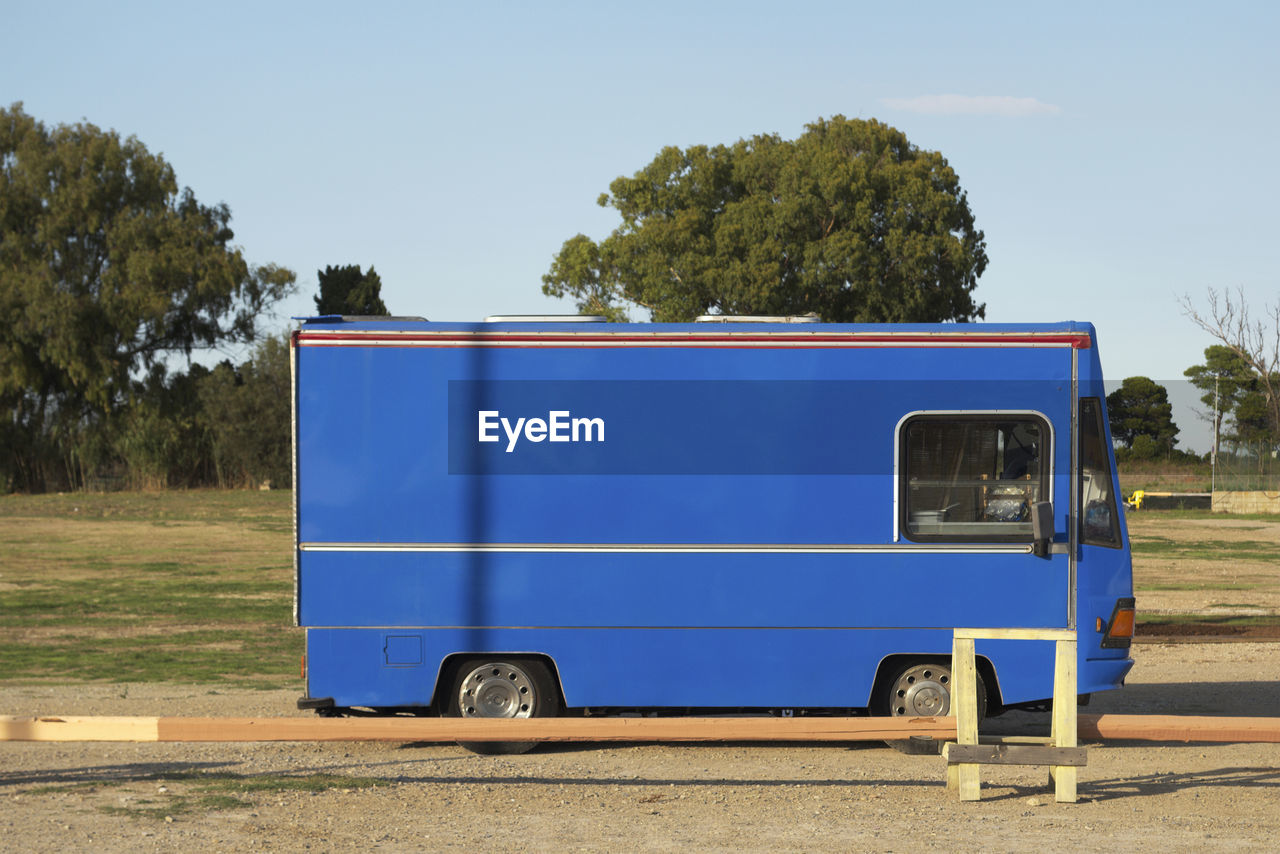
{"points": [[758, 318], [357, 318], [545, 318]]}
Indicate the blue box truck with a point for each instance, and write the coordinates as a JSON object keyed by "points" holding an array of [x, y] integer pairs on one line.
{"points": [[525, 518]]}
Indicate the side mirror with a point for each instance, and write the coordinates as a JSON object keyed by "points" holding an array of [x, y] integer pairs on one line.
{"points": [[1041, 527]]}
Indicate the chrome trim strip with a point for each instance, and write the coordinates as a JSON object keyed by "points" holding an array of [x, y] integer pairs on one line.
{"points": [[670, 548], [1073, 510], [293, 462], [569, 628]]}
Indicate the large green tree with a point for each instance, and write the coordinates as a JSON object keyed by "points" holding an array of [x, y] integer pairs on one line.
{"points": [[1254, 337], [1142, 417], [106, 267], [346, 290], [850, 221], [245, 411], [1227, 382]]}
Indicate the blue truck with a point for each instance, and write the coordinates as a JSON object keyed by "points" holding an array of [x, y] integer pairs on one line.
{"points": [[526, 518]]}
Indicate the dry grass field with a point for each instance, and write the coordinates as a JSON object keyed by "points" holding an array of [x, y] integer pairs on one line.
{"points": [[1199, 574], [142, 587]]}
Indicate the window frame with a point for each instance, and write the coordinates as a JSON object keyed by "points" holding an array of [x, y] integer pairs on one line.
{"points": [[902, 480], [1117, 537]]}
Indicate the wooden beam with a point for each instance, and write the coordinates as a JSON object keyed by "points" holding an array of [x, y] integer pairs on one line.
{"points": [[1066, 719], [1014, 754], [964, 779], [1166, 728], [1016, 634], [1185, 728], [80, 728], [601, 729]]}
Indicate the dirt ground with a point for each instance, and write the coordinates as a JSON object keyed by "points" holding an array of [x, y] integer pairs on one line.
{"points": [[648, 797]]}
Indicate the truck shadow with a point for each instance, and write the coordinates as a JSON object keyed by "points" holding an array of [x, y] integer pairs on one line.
{"points": [[429, 771], [1224, 699], [129, 772], [1190, 698]]}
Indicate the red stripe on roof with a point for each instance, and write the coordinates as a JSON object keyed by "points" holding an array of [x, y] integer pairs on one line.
{"points": [[1077, 340]]}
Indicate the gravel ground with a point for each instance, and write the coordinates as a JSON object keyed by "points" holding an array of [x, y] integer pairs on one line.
{"points": [[649, 797]]}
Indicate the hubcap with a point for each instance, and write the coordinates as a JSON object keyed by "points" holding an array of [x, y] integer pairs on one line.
{"points": [[923, 691], [497, 691]]}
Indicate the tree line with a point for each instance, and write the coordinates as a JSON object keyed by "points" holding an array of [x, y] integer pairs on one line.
{"points": [[113, 277], [111, 274], [1238, 400]]}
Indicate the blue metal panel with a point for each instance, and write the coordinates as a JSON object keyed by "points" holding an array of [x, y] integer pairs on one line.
{"points": [[906, 589], [374, 446]]}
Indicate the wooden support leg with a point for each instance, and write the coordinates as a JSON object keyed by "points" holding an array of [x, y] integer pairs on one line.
{"points": [[1063, 777], [964, 705]]}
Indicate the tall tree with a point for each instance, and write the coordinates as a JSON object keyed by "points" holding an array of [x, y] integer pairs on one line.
{"points": [[346, 290], [245, 409], [1255, 338], [105, 267], [1141, 408], [1226, 380], [850, 221]]}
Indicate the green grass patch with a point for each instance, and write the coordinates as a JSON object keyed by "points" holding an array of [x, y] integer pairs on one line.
{"points": [[176, 805], [1233, 550], [1223, 620], [199, 792], [271, 509], [141, 587], [275, 783], [179, 598], [236, 657], [1159, 587], [1199, 513]]}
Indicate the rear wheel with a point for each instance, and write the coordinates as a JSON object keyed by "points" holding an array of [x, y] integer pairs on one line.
{"points": [[492, 688]]}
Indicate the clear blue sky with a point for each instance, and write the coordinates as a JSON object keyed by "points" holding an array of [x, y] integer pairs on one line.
{"points": [[1117, 156]]}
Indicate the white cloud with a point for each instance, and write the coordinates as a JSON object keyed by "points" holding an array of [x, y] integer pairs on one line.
{"points": [[972, 105]]}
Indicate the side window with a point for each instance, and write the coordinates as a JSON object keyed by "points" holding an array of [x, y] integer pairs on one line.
{"points": [[1099, 522], [972, 477]]}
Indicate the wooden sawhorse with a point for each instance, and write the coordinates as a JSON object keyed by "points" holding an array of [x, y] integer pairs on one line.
{"points": [[1058, 751]]}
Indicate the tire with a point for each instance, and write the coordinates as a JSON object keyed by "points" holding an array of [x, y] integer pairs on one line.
{"points": [[495, 688], [923, 689]]}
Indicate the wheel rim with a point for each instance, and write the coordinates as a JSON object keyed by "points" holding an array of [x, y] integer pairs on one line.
{"points": [[497, 690], [922, 691]]}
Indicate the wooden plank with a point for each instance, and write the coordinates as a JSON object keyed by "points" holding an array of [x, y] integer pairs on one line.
{"points": [[964, 700], [1016, 634], [1159, 728], [1063, 733], [78, 728], [594, 729], [1014, 754], [1015, 739], [602, 729], [1184, 728]]}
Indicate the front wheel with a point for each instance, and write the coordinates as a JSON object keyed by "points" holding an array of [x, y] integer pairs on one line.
{"points": [[923, 689], [488, 688]]}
